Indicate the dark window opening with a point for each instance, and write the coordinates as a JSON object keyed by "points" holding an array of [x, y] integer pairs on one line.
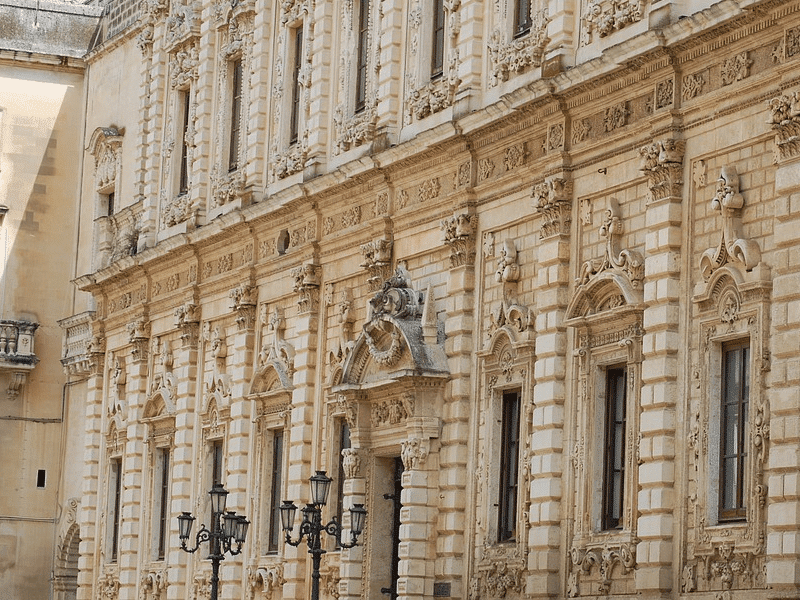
{"points": [[437, 40], [183, 182], [163, 508], [361, 56], [276, 482], [734, 431], [509, 468], [110, 204], [116, 490], [297, 61], [522, 18], [40, 478], [344, 443], [236, 115], [614, 468], [392, 591]]}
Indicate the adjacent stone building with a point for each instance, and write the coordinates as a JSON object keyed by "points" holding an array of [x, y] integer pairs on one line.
{"points": [[522, 276]]}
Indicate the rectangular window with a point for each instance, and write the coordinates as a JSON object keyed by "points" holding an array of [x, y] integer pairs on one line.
{"points": [[114, 516], [110, 204], [614, 467], [361, 55], [216, 463], [162, 520], [276, 486], [522, 18], [236, 114], [735, 395], [437, 40], [297, 62], [509, 468], [183, 182]]}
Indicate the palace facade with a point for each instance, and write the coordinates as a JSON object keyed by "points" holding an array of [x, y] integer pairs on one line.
{"points": [[522, 276]]}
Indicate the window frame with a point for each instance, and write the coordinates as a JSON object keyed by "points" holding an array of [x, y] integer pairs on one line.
{"points": [[509, 450], [437, 39], [184, 108], [614, 455], [362, 55], [295, 59], [739, 511], [273, 534], [236, 105], [161, 499]]}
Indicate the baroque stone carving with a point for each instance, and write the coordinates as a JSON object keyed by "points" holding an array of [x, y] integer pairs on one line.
{"points": [[662, 164], [108, 585], [459, 234], [628, 261], [306, 285], [514, 156], [274, 348], [351, 462], [226, 186], [513, 56], [735, 68], [583, 561], [733, 247], [500, 571], [392, 411], [580, 131], [615, 116], [507, 266], [377, 261], [414, 452], [604, 17], [784, 119], [692, 85], [153, 585], [183, 67], [266, 579], [187, 319], [243, 301], [355, 130], [553, 200]]}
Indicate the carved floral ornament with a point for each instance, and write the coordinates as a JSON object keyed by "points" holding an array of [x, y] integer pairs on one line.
{"points": [[265, 579], [733, 248], [662, 165], [459, 234], [604, 17], [153, 585], [553, 200], [584, 561], [784, 119], [515, 55], [499, 572]]}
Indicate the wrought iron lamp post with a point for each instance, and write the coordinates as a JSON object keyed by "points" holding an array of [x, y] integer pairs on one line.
{"points": [[227, 529], [311, 527]]}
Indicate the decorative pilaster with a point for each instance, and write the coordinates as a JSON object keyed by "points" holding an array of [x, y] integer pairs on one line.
{"points": [[185, 370], [301, 430], [552, 200], [662, 165], [783, 497], [420, 500], [131, 525], [354, 491], [89, 515]]}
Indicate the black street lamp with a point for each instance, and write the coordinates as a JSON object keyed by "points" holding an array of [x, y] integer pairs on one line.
{"points": [[226, 528], [312, 527]]}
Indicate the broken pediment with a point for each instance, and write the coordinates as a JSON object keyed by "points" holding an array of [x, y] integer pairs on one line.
{"points": [[401, 337]]}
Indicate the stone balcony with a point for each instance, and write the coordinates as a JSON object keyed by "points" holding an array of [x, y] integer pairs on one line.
{"points": [[17, 355], [77, 339]]}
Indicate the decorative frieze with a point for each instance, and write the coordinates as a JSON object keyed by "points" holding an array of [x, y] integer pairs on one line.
{"points": [[429, 189], [499, 574], [553, 200], [580, 131], [615, 117], [692, 85], [664, 93], [178, 210], [662, 164], [733, 246], [393, 411], [459, 234], [735, 68], [514, 156]]}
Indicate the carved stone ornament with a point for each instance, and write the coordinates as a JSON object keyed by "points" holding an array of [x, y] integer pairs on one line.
{"points": [[349, 408], [435, 95], [180, 209], [187, 319], [183, 67], [243, 301], [499, 572], [377, 261], [733, 248], [724, 569], [290, 161], [629, 262], [108, 585], [393, 411], [735, 68], [515, 55], [138, 335], [604, 17], [355, 130], [116, 389], [227, 186], [125, 229], [274, 348], [306, 286], [512, 316], [153, 585], [346, 318], [182, 23], [414, 452], [459, 234], [784, 119], [351, 462], [662, 164], [106, 147], [507, 265], [604, 560], [553, 200], [265, 579]]}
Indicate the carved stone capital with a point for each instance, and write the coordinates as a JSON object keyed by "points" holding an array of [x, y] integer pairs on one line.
{"points": [[784, 118], [553, 200], [662, 164], [377, 261], [459, 235]]}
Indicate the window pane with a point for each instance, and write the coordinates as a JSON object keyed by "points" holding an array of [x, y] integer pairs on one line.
{"points": [[509, 467], [614, 469], [734, 430], [276, 483]]}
